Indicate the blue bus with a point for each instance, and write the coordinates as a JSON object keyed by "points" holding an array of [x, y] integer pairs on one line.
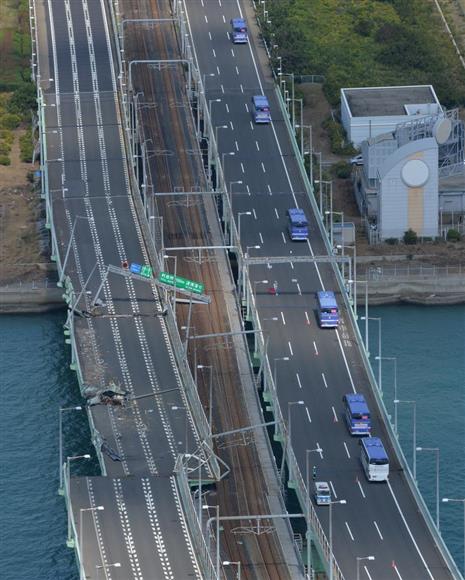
{"points": [[357, 414], [374, 459], [261, 109], [328, 312], [298, 224], [239, 31]]}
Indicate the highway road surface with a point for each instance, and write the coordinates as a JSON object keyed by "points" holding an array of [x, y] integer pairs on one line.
{"points": [[380, 520], [125, 346]]}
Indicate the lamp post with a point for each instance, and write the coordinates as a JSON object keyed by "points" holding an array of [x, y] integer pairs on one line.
{"points": [[310, 147], [60, 440], [462, 501], [217, 520], [238, 564], [320, 180], [223, 167], [91, 509], [360, 559], [231, 214], [68, 249], [216, 133], [275, 377], [210, 392], [354, 282], [436, 451], [175, 258], [105, 566], [186, 433], [288, 441], [380, 358], [69, 541], [330, 183], [414, 405], [210, 101], [394, 360], [307, 506], [331, 503], [239, 214]]}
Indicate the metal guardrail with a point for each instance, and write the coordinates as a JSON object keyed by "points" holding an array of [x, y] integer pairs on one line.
{"points": [[412, 272], [23, 286], [201, 549]]}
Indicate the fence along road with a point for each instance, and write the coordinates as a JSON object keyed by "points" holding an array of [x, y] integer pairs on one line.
{"points": [[379, 520], [126, 345]]}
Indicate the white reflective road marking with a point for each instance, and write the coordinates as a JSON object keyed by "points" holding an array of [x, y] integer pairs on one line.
{"points": [[324, 380], [362, 492], [314, 346], [350, 533], [308, 415], [290, 348], [336, 420], [333, 490], [347, 450], [282, 316], [298, 380], [378, 530]]}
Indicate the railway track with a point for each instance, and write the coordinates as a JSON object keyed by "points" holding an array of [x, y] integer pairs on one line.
{"points": [[167, 124]]}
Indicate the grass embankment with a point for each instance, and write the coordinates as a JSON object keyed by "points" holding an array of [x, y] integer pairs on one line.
{"points": [[367, 43], [17, 94]]}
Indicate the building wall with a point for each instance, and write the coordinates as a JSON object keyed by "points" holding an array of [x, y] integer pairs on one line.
{"points": [[401, 206], [361, 128]]}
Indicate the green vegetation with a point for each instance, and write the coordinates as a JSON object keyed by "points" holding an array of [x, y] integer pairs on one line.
{"points": [[367, 43], [410, 237], [341, 169], [26, 147], [453, 235]]}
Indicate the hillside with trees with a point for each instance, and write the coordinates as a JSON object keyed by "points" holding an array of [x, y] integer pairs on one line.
{"points": [[366, 43]]}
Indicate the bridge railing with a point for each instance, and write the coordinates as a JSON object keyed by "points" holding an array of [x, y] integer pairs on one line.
{"points": [[201, 550]]}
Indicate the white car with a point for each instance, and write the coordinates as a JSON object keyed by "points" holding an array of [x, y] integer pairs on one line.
{"points": [[322, 493], [358, 160]]}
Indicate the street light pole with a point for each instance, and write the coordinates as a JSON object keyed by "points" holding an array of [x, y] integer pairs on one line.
{"points": [[238, 564], [68, 488], [341, 501], [91, 509], [307, 507], [436, 451], [360, 559], [394, 360], [60, 441], [210, 368], [414, 405], [462, 501]]}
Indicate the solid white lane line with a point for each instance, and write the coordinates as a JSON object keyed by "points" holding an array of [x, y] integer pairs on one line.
{"points": [[409, 531], [397, 571], [276, 212], [336, 420], [332, 488], [298, 380], [290, 348], [308, 415], [347, 450], [378, 530], [314, 346], [324, 380], [260, 236], [255, 215], [361, 490], [284, 237], [306, 316], [345, 361], [282, 316], [350, 533]]}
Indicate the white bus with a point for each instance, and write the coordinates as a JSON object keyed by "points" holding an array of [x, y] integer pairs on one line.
{"points": [[374, 459]]}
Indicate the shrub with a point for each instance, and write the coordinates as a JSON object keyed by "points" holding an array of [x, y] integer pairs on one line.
{"points": [[23, 100], [6, 136], [26, 147], [410, 237], [5, 160], [342, 169], [391, 241], [339, 143], [5, 148], [9, 121], [453, 235]]}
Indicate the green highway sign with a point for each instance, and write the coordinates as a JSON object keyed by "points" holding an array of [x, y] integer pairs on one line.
{"points": [[146, 271], [181, 283]]}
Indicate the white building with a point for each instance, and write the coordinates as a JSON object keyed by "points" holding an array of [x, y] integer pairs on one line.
{"points": [[369, 112]]}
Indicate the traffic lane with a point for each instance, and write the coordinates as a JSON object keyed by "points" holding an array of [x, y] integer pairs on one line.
{"points": [[61, 47], [103, 60]]}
